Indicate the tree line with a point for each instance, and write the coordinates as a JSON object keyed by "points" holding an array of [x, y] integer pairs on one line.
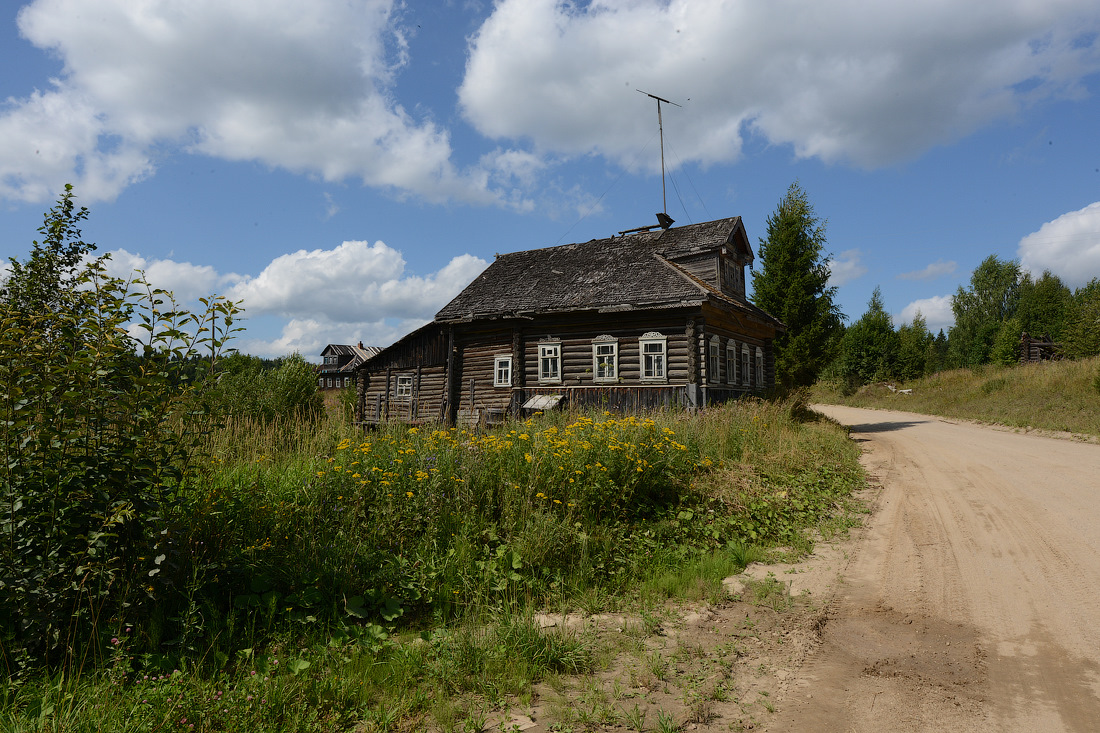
{"points": [[1000, 304]]}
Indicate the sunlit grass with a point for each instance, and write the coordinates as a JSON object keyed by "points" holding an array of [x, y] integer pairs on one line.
{"points": [[381, 567], [1060, 395]]}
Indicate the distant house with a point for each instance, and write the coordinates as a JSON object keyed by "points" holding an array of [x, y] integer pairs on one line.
{"points": [[338, 364], [633, 322]]}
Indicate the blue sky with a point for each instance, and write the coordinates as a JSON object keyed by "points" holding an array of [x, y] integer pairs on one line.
{"points": [[345, 167]]}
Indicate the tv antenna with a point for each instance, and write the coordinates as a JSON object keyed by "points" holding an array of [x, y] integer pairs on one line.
{"points": [[663, 217]]}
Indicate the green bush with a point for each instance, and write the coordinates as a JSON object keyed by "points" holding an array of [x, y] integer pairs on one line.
{"points": [[95, 436], [247, 388]]}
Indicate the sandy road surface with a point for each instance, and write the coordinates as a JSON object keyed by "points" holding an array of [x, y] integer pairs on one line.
{"points": [[974, 602]]}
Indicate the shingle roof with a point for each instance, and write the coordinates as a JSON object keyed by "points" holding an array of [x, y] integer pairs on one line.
{"points": [[631, 271], [359, 354]]}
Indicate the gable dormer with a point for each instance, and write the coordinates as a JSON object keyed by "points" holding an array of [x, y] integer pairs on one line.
{"points": [[718, 261]]}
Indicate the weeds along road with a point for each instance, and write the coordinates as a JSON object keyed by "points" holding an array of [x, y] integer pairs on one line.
{"points": [[973, 604]]}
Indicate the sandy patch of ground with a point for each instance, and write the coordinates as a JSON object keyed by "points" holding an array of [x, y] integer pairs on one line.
{"points": [[704, 667]]}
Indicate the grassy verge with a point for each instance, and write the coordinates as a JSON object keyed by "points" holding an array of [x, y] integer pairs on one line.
{"points": [[1060, 395], [322, 579]]}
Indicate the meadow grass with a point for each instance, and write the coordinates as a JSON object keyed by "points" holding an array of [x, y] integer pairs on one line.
{"points": [[1053, 395], [323, 577]]}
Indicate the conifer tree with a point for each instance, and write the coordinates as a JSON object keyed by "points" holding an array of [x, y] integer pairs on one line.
{"points": [[792, 285]]}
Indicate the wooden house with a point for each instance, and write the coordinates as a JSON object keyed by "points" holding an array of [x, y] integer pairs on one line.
{"points": [[339, 362], [633, 322]]}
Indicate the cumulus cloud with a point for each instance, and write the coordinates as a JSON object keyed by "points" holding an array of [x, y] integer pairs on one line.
{"points": [[936, 311], [934, 270], [302, 86], [841, 81], [845, 268], [1069, 247], [187, 282], [351, 282], [354, 291]]}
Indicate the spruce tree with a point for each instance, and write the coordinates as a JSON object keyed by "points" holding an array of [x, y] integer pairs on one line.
{"points": [[792, 285]]}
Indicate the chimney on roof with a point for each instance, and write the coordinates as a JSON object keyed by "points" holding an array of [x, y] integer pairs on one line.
{"points": [[360, 344]]}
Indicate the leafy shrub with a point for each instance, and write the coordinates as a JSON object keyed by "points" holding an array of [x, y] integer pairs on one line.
{"points": [[247, 388], [91, 445]]}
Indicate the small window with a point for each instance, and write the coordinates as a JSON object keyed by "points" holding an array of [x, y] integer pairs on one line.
{"points": [[759, 367], [713, 351], [330, 359], [321, 383], [653, 356], [330, 381], [404, 388], [745, 373], [550, 362], [605, 359], [502, 371], [347, 381], [731, 361]]}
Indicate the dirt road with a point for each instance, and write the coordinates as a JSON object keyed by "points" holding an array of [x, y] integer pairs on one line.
{"points": [[973, 604]]}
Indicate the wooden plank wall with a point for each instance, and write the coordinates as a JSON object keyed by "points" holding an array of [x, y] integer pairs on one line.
{"points": [[425, 405]]}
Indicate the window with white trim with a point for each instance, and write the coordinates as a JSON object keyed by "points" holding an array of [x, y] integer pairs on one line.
{"points": [[347, 381], [605, 359], [404, 388], [745, 373], [331, 359], [329, 381], [502, 371], [321, 383], [653, 347], [731, 362], [550, 363], [759, 367], [713, 351]]}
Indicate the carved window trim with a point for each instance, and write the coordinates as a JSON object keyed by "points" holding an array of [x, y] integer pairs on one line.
{"points": [[653, 354]]}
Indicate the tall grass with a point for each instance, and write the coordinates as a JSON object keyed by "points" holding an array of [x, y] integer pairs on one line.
{"points": [[331, 549], [1060, 395]]}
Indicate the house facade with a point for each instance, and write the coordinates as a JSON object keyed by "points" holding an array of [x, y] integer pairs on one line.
{"points": [[639, 321], [339, 362]]}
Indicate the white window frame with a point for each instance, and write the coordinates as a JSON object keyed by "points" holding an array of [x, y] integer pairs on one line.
{"points": [[403, 387], [731, 362], [746, 372], [549, 362], [653, 346], [329, 381], [347, 382], [502, 371], [714, 362], [759, 367], [605, 365], [320, 383]]}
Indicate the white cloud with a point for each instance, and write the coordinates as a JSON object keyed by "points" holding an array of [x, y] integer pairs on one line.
{"points": [[353, 292], [308, 337], [845, 268], [353, 282], [1069, 247], [934, 270], [185, 281], [304, 86], [848, 80], [936, 311]]}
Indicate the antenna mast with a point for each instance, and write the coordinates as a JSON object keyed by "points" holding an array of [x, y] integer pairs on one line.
{"points": [[661, 130]]}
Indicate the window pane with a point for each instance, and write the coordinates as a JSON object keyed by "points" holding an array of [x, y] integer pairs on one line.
{"points": [[653, 361], [549, 363], [605, 360]]}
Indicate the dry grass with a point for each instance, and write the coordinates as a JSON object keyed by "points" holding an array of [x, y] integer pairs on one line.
{"points": [[1059, 396]]}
